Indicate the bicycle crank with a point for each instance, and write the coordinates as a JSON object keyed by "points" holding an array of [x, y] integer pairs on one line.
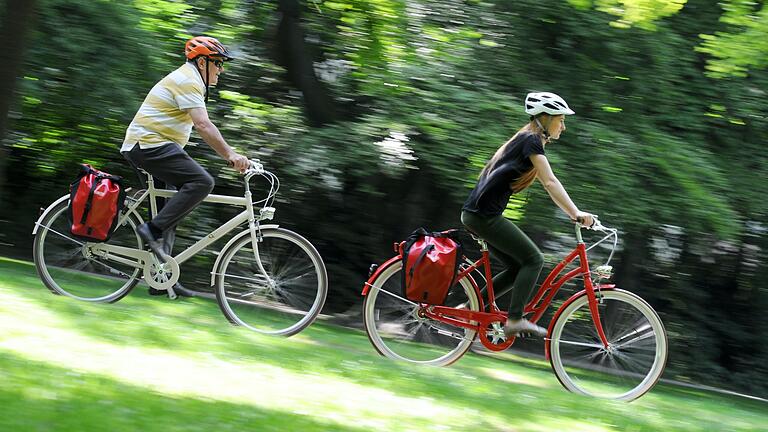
{"points": [[161, 276], [493, 337]]}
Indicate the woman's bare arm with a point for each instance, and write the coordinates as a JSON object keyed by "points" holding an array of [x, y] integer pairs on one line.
{"points": [[556, 190]]}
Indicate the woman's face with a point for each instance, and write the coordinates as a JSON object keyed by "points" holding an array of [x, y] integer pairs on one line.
{"points": [[556, 126]]}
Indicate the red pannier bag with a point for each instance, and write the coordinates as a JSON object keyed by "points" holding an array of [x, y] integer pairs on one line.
{"points": [[95, 201], [430, 265]]}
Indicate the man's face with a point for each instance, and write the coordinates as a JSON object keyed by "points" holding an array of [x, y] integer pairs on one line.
{"points": [[215, 67]]}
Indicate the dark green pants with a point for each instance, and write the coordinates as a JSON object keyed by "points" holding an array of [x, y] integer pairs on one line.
{"points": [[521, 256]]}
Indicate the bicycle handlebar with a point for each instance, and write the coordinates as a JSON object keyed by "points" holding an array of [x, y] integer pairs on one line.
{"points": [[255, 167], [596, 225]]}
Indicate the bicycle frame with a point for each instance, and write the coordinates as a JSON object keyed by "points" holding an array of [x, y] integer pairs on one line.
{"points": [[481, 320], [138, 258]]}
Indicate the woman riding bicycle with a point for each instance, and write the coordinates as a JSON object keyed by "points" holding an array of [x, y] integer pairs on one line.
{"points": [[513, 167]]}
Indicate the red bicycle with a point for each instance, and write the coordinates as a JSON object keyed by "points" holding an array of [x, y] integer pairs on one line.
{"points": [[602, 341]]}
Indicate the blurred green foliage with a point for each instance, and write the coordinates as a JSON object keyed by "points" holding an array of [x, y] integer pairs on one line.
{"points": [[378, 115]]}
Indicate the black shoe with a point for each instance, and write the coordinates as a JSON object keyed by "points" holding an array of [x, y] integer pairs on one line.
{"points": [[156, 245], [169, 237], [177, 288], [181, 291]]}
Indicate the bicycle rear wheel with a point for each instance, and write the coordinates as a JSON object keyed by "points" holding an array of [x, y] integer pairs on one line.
{"points": [[288, 299], [397, 331], [634, 359], [67, 267]]}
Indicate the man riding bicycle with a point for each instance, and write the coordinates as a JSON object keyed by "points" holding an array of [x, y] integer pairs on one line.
{"points": [[156, 137]]}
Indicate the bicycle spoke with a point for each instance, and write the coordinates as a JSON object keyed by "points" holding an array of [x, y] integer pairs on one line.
{"points": [[256, 277], [584, 344], [403, 299], [64, 236], [642, 336]]}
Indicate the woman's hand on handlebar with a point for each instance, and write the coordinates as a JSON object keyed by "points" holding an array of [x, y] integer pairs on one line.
{"points": [[585, 219], [238, 162]]}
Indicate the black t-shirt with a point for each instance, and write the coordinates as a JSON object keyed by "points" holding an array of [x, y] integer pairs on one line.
{"points": [[491, 194]]}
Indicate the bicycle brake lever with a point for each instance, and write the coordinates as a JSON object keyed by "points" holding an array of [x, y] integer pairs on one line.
{"points": [[256, 167]]}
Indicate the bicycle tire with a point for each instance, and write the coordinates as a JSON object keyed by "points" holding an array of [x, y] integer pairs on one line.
{"points": [[397, 332], [635, 359], [63, 264], [285, 304]]}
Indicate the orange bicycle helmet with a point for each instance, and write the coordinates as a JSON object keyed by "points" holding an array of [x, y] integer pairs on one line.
{"points": [[205, 46]]}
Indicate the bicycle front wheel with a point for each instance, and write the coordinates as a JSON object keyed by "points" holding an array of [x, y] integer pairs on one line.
{"points": [[634, 359], [67, 267], [397, 331], [286, 299]]}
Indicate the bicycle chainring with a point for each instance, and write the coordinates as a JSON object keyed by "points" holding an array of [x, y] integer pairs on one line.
{"points": [[493, 337], [161, 276]]}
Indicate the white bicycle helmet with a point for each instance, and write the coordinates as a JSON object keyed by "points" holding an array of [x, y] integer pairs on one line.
{"points": [[545, 102]]}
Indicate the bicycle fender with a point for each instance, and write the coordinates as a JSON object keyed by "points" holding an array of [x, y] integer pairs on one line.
{"points": [[376, 273], [565, 305], [48, 210], [476, 288], [230, 243]]}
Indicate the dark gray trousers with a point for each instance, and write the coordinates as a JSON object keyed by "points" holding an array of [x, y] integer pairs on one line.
{"points": [[174, 168], [521, 256]]}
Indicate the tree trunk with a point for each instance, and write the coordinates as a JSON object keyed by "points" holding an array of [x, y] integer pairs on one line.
{"points": [[294, 54], [16, 23]]}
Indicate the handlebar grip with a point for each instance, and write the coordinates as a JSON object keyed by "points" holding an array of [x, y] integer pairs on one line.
{"points": [[580, 221]]}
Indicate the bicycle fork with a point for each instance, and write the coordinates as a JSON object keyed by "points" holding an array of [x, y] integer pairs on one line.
{"points": [[592, 300], [253, 227]]}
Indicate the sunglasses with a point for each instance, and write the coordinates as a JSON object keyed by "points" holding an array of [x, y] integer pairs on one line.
{"points": [[218, 63]]}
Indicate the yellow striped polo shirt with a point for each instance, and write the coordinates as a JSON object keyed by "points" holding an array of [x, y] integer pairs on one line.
{"points": [[162, 117]]}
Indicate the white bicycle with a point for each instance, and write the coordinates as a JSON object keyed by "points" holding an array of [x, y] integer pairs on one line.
{"points": [[266, 278]]}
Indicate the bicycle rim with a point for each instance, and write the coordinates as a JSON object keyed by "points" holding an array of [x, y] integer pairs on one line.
{"points": [[291, 295], [66, 267], [397, 332], [634, 360]]}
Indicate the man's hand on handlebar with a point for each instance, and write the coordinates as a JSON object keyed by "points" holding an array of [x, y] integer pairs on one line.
{"points": [[238, 162]]}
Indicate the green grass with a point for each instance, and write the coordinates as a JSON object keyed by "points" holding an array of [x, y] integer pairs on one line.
{"points": [[151, 364]]}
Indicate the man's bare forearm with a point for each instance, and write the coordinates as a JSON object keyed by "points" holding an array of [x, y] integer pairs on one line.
{"points": [[211, 135]]}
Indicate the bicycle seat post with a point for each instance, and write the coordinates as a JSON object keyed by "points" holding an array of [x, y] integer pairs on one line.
{"points": [[150, 182], [481, 242]]}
